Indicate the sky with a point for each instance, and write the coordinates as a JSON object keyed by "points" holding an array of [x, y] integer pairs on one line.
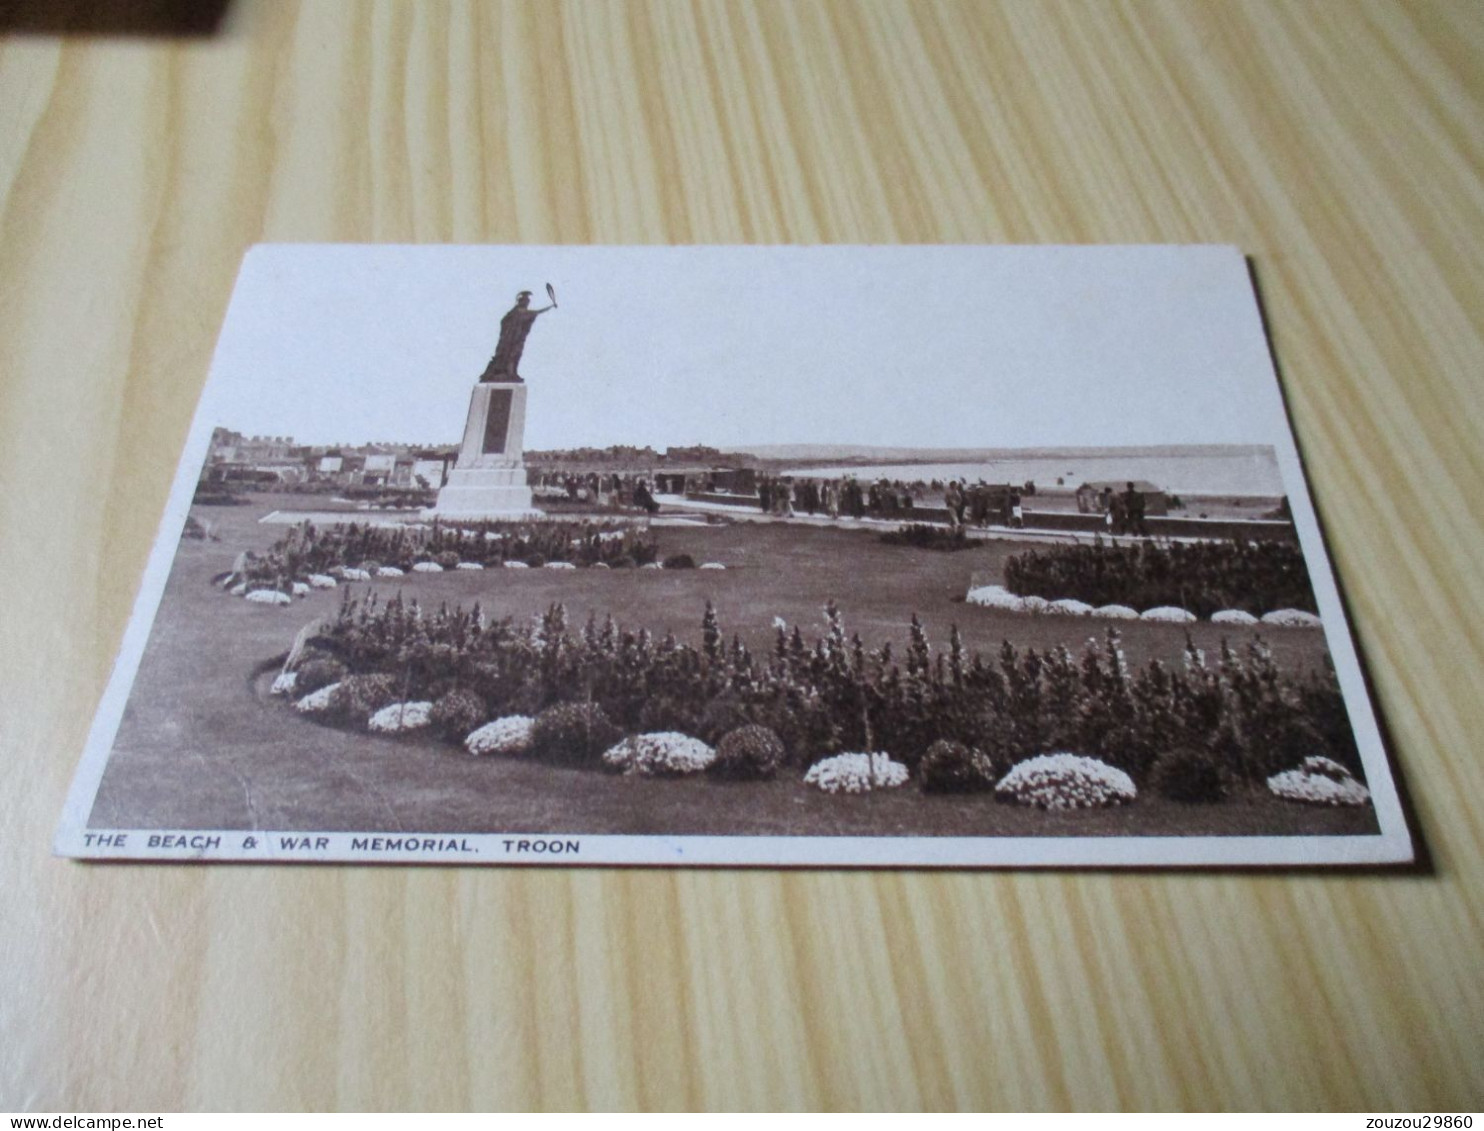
{"points": [[933, 346]]}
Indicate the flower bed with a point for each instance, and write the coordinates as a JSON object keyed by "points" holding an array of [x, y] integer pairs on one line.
{"points": [[400, 717], [1292, 618], [267, 597], [1233, 616], [664, 754], [1069, 607], [1168, 614], [856, 773], [1066, 781], [589, 689], [319, 702], [510, 735], [995, 597], [1319, 781]]}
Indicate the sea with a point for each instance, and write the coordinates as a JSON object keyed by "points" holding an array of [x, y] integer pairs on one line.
{"points": [[1250, 473]]}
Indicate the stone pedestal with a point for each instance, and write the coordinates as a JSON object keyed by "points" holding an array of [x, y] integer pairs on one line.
{"points": [[488, 479]]}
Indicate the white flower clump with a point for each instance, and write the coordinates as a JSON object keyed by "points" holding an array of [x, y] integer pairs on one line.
{"points": [[321, 581], [389, 571], [300, 589], [469, 565], [1319, 781], [350, 573], [401, 716], [1291, 618], [316, 701], [856, 773], [239, 590], [284, 684], [651, 565], [516, 565], [1066, 781], [1035, 604], [663, 752], [598, 565], [510, 735], [712, 565], [1233, 616], [268, 597], [1168, 614], [1069, 607], [1116, 612], [996, 597], [560, 565], [426, 567]]}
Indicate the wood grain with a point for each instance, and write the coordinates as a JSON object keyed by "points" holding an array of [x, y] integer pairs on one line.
{"points": [[1340, 143]]}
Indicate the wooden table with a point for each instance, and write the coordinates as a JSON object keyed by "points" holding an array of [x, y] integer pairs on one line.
{"points": [[1340, 143]]}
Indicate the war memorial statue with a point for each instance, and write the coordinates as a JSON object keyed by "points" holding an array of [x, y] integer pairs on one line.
{"points": [[515, 327], [488, 479]]}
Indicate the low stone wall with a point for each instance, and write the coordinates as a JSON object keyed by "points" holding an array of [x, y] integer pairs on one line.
{"points": [[1159, 526], [1165, 526]]}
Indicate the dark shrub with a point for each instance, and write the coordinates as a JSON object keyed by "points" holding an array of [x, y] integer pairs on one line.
{"points": [[1202, 577], [572, 733], [536, 561], [948, 766], [722, 715], [457, 713], [670, 712], [928, 537], [624, 562], [361, 696], [748, 752], [1190, 775], [680, 561], [448, 559], [316, 673]]}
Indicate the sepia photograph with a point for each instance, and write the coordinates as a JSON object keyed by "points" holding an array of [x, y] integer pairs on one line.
{"points": [[845, 556]]}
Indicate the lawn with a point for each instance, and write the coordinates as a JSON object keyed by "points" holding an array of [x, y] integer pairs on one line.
{"points": [[202, 746]]}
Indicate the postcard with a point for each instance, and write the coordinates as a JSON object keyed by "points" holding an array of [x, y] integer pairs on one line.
{"points": [[741, 556]]}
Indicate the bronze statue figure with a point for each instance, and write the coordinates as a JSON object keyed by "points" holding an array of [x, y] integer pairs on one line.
{"points": [[514, 328]]}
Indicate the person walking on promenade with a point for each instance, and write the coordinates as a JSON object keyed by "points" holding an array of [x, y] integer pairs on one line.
{"points": [[1134, 510], [953, 500], [829, 497], [1117, 513], [788, 498]]}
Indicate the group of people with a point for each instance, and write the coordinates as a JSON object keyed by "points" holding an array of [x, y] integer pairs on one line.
{"points": [[983, 504], [967, 504], [1122, 511], [601, 488], [976, 504], [786, 496]]}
